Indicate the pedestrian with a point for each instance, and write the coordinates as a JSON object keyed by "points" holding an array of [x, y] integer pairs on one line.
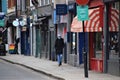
{"points": [[59, 45], [16, 45]]}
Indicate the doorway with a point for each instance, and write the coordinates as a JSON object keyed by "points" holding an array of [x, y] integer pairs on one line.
{"points": [[96, 51]]}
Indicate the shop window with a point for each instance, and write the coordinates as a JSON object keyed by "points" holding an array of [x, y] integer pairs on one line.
{"points": [[114, 36], [74, 45], [113, 45], [98, 45]]}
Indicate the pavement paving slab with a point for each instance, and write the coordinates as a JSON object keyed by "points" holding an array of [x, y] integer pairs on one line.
{"points": [[51, 68]]}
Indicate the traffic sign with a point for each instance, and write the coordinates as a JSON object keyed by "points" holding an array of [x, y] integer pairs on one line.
{"points": [[82, 2]]}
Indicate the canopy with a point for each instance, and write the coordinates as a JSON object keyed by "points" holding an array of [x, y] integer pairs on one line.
{"points": [[114, 19], [94, 24]]}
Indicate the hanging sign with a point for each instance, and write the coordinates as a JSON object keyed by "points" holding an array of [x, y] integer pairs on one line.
{"points": [[2, 23], [82, 13], [15, 23], [61, 9]]}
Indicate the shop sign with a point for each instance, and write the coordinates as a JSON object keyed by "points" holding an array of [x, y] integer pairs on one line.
{"points": [[15, 23], [109, 0], [82, 13], [72, 8], [2, 23], [2, 15], [61, 9]]}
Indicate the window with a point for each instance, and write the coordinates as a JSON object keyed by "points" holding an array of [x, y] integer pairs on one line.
{"points": [[114, 36], [113, 44], [73, 41], [47, 2], [98, 45], [44, 2], [11, 3]]}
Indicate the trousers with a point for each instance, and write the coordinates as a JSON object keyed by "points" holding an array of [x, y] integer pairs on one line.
{"points": [[59, 58]]}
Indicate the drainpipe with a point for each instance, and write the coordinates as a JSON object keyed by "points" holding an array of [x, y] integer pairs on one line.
{"points": [[68, 35], [119, 37], [18, 12], [27, 3]]}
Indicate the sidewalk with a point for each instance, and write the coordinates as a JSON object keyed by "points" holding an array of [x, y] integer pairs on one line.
{"points": [[64, 72]]}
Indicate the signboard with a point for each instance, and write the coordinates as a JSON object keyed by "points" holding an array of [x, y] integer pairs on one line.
{"points": [[2, 23], [72, 8], [2, 15], [82, 2], [4, 6], [61, 9], [82, 13], [109, 0], [15, 23]]}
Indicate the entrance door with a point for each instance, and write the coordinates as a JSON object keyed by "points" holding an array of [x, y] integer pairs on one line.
{"points": [[96, 51]]}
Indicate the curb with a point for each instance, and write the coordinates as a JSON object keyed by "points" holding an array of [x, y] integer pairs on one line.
{"points": [[36, 70]]}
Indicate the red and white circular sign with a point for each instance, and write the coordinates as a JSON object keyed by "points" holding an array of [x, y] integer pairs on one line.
{"points": [[82, 2]]}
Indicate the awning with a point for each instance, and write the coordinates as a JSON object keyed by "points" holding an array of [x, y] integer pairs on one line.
{"points": [[114, 19], [45, 10], [94, 24], [95, 3], [76, 25]]}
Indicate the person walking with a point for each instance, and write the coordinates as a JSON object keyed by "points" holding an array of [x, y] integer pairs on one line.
{"points": [[59, 45], [16, 45]]}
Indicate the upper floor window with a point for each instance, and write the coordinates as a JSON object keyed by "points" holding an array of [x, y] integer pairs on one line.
{"points": [[44, 2], [11, 3]]}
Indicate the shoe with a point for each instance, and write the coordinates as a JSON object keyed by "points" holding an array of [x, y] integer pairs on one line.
{"points": [[60, 64]]}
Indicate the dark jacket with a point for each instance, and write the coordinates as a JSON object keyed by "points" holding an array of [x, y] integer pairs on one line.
{"points": [[59, 45]]}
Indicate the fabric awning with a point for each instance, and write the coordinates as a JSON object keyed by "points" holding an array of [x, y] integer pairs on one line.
{"points": [[95, 3], [76, 25], [94, 24], [114, 20]]}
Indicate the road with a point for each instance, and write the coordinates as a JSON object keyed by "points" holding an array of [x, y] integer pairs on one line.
{"points": [[10, 71]]}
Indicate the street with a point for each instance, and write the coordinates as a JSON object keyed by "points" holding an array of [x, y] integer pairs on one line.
{"points": [[10, 71]]}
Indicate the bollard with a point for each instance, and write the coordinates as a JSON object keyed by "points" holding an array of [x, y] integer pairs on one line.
{"points": [[85, 63]]}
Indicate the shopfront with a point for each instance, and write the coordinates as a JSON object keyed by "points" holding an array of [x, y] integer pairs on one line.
{"points": [[93, 35], [95, 38], [103, 28], [103, 36], [112, 37]]}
